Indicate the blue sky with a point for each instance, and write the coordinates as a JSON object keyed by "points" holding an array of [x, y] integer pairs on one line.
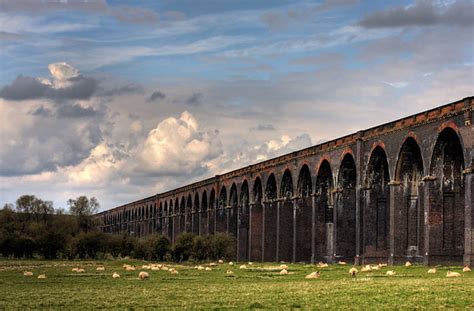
{"points": [[153, 94]]}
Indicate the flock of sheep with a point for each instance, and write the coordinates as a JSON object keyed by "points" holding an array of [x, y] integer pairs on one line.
{"points": [[283, 269]]}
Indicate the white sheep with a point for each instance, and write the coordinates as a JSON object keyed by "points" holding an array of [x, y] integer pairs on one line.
{"points": [[229, 273], [231, 263], [322, 264], [283, 267], [450, 274], [208, 269], [353, 271], [313, 275], [143, 275], [28, 273], [115, 275], [391, 272], [284, 272], [100, 268], [42, 276], [432, 271], [366, 268], [466, 269], [221, 261], [200, 268], [342, 263], [243, 267], [408, 264]]}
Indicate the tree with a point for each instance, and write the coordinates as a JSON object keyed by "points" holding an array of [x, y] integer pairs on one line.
{"points": [[84, 208]]}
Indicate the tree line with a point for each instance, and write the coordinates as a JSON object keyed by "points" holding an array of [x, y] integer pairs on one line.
{"points": [[33, 228]]}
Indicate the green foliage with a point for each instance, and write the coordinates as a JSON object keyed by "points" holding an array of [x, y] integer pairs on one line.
{"points": [[183, 247], [89, 244], [160, 247]]}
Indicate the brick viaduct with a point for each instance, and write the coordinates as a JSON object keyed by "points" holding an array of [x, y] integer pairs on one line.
{"points": [[395, 192]]}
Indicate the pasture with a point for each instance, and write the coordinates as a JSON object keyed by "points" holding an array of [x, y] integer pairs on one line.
{"points": [[260, 286]]}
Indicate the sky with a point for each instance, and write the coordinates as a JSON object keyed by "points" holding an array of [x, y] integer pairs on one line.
{"points": [[125, 99]]}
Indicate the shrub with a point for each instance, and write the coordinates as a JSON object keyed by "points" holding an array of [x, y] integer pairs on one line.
{"points": [[183, 247], [88, 245], [51, 244], [160, 247], [224, 246]]}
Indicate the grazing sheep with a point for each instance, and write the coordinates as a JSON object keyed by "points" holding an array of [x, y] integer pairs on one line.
{"points": [[115, 275], [143, 275], [432, 271], [466, 269], [353, 271], [200, 268], [284, 267], [313, 275], [213, 264], [366, 268], [342, 263], [221, 261], [382, 265], [164, 268], [130, 268], [243, 267], [42, 276], [231, 263], [208, 269], [100, 268], [407, 264], [229, 273], [450, 274], [322, 265], [146, 267], [250, 263], [173, 271], [28, 273], [375, 267], [284, 272], [390, 272], [155, 268], [74, 269], [79, 270]]}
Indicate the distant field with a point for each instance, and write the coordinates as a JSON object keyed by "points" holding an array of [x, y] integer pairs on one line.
{"points": [[256, 287]]}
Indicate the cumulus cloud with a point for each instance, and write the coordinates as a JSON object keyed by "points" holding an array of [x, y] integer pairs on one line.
{"points": [[422, 13], [41, 143], [66, 83], [177, 147]]}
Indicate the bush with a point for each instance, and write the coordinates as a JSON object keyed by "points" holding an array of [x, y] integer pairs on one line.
{"points": [[51, 244], [183, 247], [88, 245], [224, 246], [160, 248]]}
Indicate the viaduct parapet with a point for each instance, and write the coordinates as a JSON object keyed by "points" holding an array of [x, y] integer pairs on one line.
{"points": [[398, 191]]}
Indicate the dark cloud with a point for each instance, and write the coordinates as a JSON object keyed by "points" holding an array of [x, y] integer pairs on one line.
{"points": [[157, 95], [194, 100], [25, 88], [76, 111], [41, 111], [422, 13], [263, 127], [130, 88]]}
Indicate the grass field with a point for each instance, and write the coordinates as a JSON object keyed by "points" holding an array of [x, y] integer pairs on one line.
{"points": [[259, 286]]}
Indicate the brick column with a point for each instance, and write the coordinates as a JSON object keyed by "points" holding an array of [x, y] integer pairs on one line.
{"points": [[335, 200], [469, 218], [394, 212], [313, 228], [249, 246], [295, 207], [430, 218], [264, 206], [278, 230]]}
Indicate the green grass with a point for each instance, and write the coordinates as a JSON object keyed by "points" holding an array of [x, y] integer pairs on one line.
{"points": [[252, 288]]}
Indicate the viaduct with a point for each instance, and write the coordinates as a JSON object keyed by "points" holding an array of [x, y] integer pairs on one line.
{"points": [[398, 191]]}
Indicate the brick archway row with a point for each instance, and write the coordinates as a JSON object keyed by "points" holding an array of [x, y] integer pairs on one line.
{"points": [[399, 191]]}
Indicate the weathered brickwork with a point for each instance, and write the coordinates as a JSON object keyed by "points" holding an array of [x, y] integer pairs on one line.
{"points": [[395, 192]]}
